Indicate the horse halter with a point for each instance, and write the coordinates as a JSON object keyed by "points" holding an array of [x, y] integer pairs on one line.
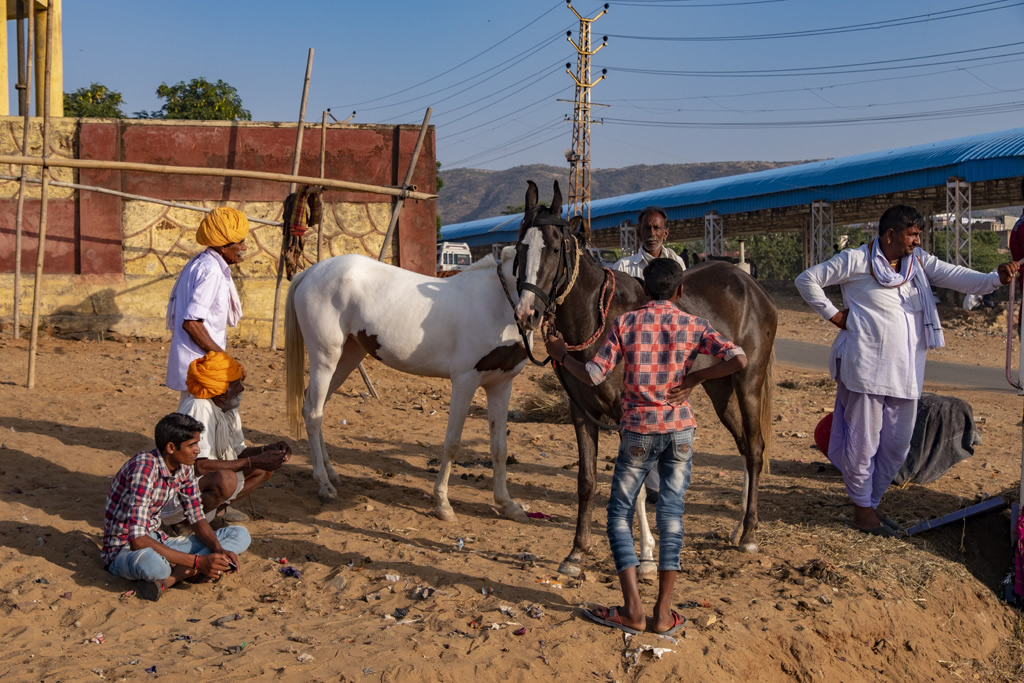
{"points": [[564, 277]]}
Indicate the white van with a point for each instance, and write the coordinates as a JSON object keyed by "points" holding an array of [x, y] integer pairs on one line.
{"points": [[453, 256]]}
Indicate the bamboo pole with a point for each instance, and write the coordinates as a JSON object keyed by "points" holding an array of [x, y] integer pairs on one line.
{"points": [[23, 104], [323, 168], [128, 195], [63, 162], [291, 188], [41, 243], [408, 179]]}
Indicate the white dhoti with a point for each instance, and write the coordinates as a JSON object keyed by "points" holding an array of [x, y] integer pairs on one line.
{"points": [[870, 440]]}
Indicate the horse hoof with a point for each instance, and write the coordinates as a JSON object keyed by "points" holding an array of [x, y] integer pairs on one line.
{"points": [[647, 567], [516, 513], [570, 569], [445, 513], [327, 494], [750, 547]]}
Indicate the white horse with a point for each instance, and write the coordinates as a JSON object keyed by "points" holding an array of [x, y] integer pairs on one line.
{"points": [[461, 327]]}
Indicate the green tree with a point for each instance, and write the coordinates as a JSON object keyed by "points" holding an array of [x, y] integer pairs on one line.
{"points": [[778, 256], [96, 101], [199, 100], [513, 209]]}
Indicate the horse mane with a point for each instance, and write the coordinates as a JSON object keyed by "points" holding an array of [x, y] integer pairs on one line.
{"points": [[507, 254]]}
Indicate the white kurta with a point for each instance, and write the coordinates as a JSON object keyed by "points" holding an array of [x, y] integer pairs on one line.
{"points": [[222, 439], [203, 291], [883, 348], [634, 265]]}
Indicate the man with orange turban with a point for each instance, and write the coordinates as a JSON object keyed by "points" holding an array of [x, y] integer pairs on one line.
{"points": [[227, 468], [204, 301]]}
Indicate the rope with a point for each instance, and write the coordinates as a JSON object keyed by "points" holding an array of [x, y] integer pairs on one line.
{"points": [[549, 325], [575, 272]]}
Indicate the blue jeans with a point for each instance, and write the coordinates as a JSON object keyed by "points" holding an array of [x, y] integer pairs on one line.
{"points": [[672, 453], [149, 565]]}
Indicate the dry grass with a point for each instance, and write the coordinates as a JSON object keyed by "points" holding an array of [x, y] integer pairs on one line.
{"points": [[548, 403]]}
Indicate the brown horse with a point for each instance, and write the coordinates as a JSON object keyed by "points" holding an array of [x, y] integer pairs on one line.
{"points": [[558, 279]]}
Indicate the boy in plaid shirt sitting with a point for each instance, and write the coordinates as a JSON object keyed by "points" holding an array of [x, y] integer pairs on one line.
{"points": [[659, 344], [133, 545]]}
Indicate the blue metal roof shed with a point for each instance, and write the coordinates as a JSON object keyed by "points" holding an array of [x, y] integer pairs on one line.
{"points": [[779, 199]]}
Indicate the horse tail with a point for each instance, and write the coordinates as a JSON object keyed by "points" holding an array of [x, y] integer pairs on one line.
{"points": [[767, 393], [295, 359]]}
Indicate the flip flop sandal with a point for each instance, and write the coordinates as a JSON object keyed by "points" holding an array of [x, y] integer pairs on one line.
{"points": [[881, 530], [678, 621], [611, 618]]}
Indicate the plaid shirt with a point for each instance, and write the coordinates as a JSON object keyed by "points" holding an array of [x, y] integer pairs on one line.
{"points": [[139, 491], [659, 343]]}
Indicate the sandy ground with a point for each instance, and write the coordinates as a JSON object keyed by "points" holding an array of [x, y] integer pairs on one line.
{"points": [[386, 594]]}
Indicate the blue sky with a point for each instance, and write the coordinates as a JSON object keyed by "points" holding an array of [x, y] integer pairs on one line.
{"points": [[493, 71]]}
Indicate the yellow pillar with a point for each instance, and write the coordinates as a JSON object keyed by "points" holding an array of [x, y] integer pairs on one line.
{"points": [[5, 105], [51, 13]]}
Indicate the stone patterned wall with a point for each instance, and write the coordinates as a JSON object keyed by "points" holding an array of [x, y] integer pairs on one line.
{"points": [[159, 240], [63, 138]]}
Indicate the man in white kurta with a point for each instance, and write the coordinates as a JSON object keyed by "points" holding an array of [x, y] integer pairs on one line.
{"points": [[653, 233], [204, 301], [878, 357], [227, 468]]}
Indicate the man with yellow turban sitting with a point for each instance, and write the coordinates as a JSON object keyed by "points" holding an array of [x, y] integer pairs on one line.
{"points": [[227, 468]]}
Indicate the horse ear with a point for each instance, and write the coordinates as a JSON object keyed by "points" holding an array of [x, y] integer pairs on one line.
{"points": [[530, 208], [556, 201], [531, 196], [578, 226]]}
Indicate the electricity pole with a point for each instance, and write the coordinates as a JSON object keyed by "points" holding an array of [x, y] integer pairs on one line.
{"points": [[579, 156]]}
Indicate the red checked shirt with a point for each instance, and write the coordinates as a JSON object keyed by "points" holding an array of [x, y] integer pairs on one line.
{"points": [[659, 344], [139, 491]]}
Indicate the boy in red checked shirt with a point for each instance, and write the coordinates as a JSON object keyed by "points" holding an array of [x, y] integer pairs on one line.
{"points": [[133, 545], [658, 343]]}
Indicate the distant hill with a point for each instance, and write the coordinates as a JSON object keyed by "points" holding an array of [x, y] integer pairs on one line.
{"points": [[470, 193]]}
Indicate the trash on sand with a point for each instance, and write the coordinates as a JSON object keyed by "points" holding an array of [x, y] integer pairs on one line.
{"points": [[151, 670], [423, 592], [550, 582], [291, 571], [368, 670], [537, 515], [526, 557], [41, 580], [486, 590], [400, 612], [98, 639], [282, 560], [305, 657], [68, 595], [224, 620], [460, 543], [656, 652], [181, 636], [393, 578], [235, 649], [519, 631], [534, 611], [506, 610], [127, 594]]}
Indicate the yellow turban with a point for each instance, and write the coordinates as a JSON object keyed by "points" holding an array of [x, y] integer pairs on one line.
{"points": [[210, 375], [221, 227]]}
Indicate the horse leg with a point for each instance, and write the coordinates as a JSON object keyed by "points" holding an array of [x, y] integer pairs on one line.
{"points": [[737, 411], [586, 483], [462, 395], [323, 370], [647, 563], [498, 396], [351, 355]]}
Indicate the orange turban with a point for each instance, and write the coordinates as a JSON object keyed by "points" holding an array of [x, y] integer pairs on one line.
{"points": [[210, 375], [221, 227]]}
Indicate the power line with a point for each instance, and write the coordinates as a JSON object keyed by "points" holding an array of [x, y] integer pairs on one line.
{"points": [[832, 30], [460, 64], [533, 132], [831, 69], [961, 112]]}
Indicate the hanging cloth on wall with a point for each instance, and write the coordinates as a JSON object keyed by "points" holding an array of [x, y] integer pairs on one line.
{"points": [[302, 210]]}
